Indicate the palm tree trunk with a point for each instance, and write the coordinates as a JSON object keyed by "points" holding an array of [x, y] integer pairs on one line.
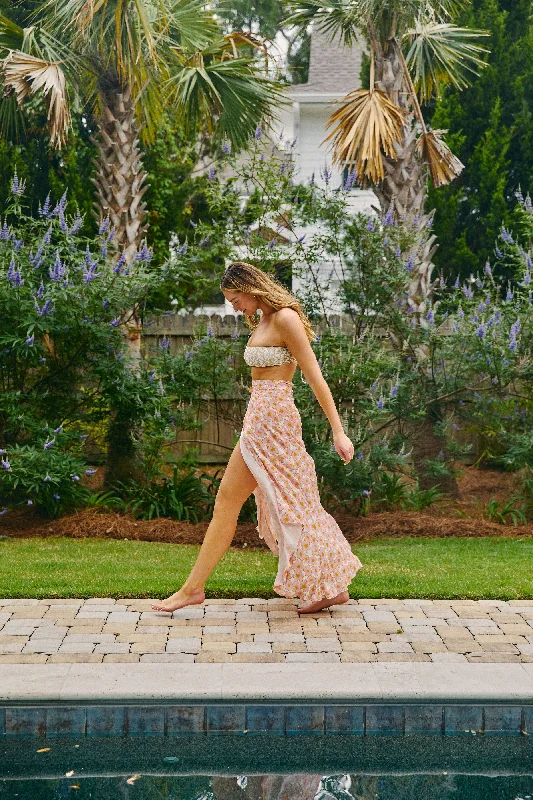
{"points": [[119, 181], [404, 191]]}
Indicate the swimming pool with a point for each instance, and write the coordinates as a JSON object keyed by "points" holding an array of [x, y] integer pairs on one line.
{"points": [[371, 751]]}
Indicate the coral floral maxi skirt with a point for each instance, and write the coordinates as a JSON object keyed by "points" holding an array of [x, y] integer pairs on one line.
{"points": [[315, 559]]}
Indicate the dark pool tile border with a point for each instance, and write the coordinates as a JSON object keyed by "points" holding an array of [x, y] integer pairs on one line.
{"points": [[271, 719], [186, 720], [106, 720], [265, 720]]}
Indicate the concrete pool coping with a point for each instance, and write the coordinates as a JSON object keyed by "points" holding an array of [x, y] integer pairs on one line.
{"points": [[391, 682]]}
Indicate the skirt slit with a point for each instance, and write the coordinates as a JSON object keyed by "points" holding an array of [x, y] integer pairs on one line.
{"points": [[315, 559]]}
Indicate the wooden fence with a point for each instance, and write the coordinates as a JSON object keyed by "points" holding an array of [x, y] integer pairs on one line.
{"points": [[221, 423]]}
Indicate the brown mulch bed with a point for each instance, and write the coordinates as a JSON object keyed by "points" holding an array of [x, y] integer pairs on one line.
{"points": [[100, 525], [441, 520]]}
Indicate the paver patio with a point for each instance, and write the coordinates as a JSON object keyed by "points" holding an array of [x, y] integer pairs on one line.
{"points": [[263, 631]]}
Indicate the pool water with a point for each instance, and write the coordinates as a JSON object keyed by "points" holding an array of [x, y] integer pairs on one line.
{"points": [[276, 787], [269, 768]]}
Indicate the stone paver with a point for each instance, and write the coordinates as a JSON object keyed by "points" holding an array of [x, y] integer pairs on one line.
{"points": [[265, 631]]}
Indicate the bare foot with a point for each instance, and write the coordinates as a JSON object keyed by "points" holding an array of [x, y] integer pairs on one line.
{"points": [[318, 605], [180, 599]]}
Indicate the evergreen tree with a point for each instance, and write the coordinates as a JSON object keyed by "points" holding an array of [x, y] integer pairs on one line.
{"points": [[491, 131]]}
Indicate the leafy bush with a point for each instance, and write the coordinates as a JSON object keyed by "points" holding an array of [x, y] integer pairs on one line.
{"points": [[501, 513], [405, 384], [64, 364]]}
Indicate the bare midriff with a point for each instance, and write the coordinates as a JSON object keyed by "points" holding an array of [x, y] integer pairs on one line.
{"points": [[282, 372]]}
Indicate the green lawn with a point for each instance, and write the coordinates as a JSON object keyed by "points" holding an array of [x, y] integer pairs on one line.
{"points": [[412, 567]]}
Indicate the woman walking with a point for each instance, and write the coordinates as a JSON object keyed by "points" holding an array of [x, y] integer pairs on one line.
{"points": [[316, 563]]}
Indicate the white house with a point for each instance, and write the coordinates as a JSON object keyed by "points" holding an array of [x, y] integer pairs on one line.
{"points": [[333, 72]]}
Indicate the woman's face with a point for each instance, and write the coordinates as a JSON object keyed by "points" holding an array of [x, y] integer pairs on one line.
{"points": [[241, 301]]}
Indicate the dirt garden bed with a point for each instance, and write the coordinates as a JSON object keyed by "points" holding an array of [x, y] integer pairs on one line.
{"points": [[447, 518]]}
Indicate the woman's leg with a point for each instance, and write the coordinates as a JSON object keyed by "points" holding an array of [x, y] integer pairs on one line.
{"points": [[236, 486]]}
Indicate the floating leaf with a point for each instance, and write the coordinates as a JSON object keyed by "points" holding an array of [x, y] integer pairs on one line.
{"points": [[69, 774], [132, 780], [171, 759], [44, 750]]}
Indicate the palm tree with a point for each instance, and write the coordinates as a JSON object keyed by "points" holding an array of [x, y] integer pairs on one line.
{"points": [[126, 63], [415, 50]]}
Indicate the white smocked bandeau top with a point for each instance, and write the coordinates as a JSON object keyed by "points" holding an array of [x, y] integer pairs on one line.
{"points": [[267, 356]]}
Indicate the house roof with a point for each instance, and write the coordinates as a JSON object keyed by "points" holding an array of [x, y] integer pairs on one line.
{"points": [[333, 68]]}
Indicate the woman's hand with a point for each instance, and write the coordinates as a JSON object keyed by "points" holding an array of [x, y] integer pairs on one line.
{"points": [[343, 446]]}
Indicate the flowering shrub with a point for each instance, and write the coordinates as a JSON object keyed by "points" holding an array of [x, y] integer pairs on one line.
{"points": [[64, 365], [406, 385]]}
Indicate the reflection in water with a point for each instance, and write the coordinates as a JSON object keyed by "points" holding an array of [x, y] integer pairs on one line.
{"points": [[280, 787], [437, 786]]}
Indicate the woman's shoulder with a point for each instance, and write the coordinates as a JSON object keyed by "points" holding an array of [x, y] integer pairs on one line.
{"points": [[286, 315]]}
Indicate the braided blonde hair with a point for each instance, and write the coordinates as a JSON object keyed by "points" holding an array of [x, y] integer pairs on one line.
{"points": [[242, 277]]}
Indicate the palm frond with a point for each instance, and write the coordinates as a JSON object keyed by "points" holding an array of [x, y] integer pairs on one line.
{"points": [[443, 165], [368, 125], [227, 95], [336, 18], [26, 75], [12, 121], [11, 34], [132, 31], [441, 53]]}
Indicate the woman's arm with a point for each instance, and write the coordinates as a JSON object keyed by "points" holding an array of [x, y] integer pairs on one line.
{"points": [[292, 331]]}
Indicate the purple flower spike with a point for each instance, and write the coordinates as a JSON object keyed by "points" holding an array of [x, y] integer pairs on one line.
{"points": [[57, 272], [350, 180], [90, 471], [370, 226], [506, 236], [120, 263], [115, 322], [30, 339], [49, 444], [46, 207], [6, 465], [47, 479], [17, 187], [104, 225], [258, 132]]}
